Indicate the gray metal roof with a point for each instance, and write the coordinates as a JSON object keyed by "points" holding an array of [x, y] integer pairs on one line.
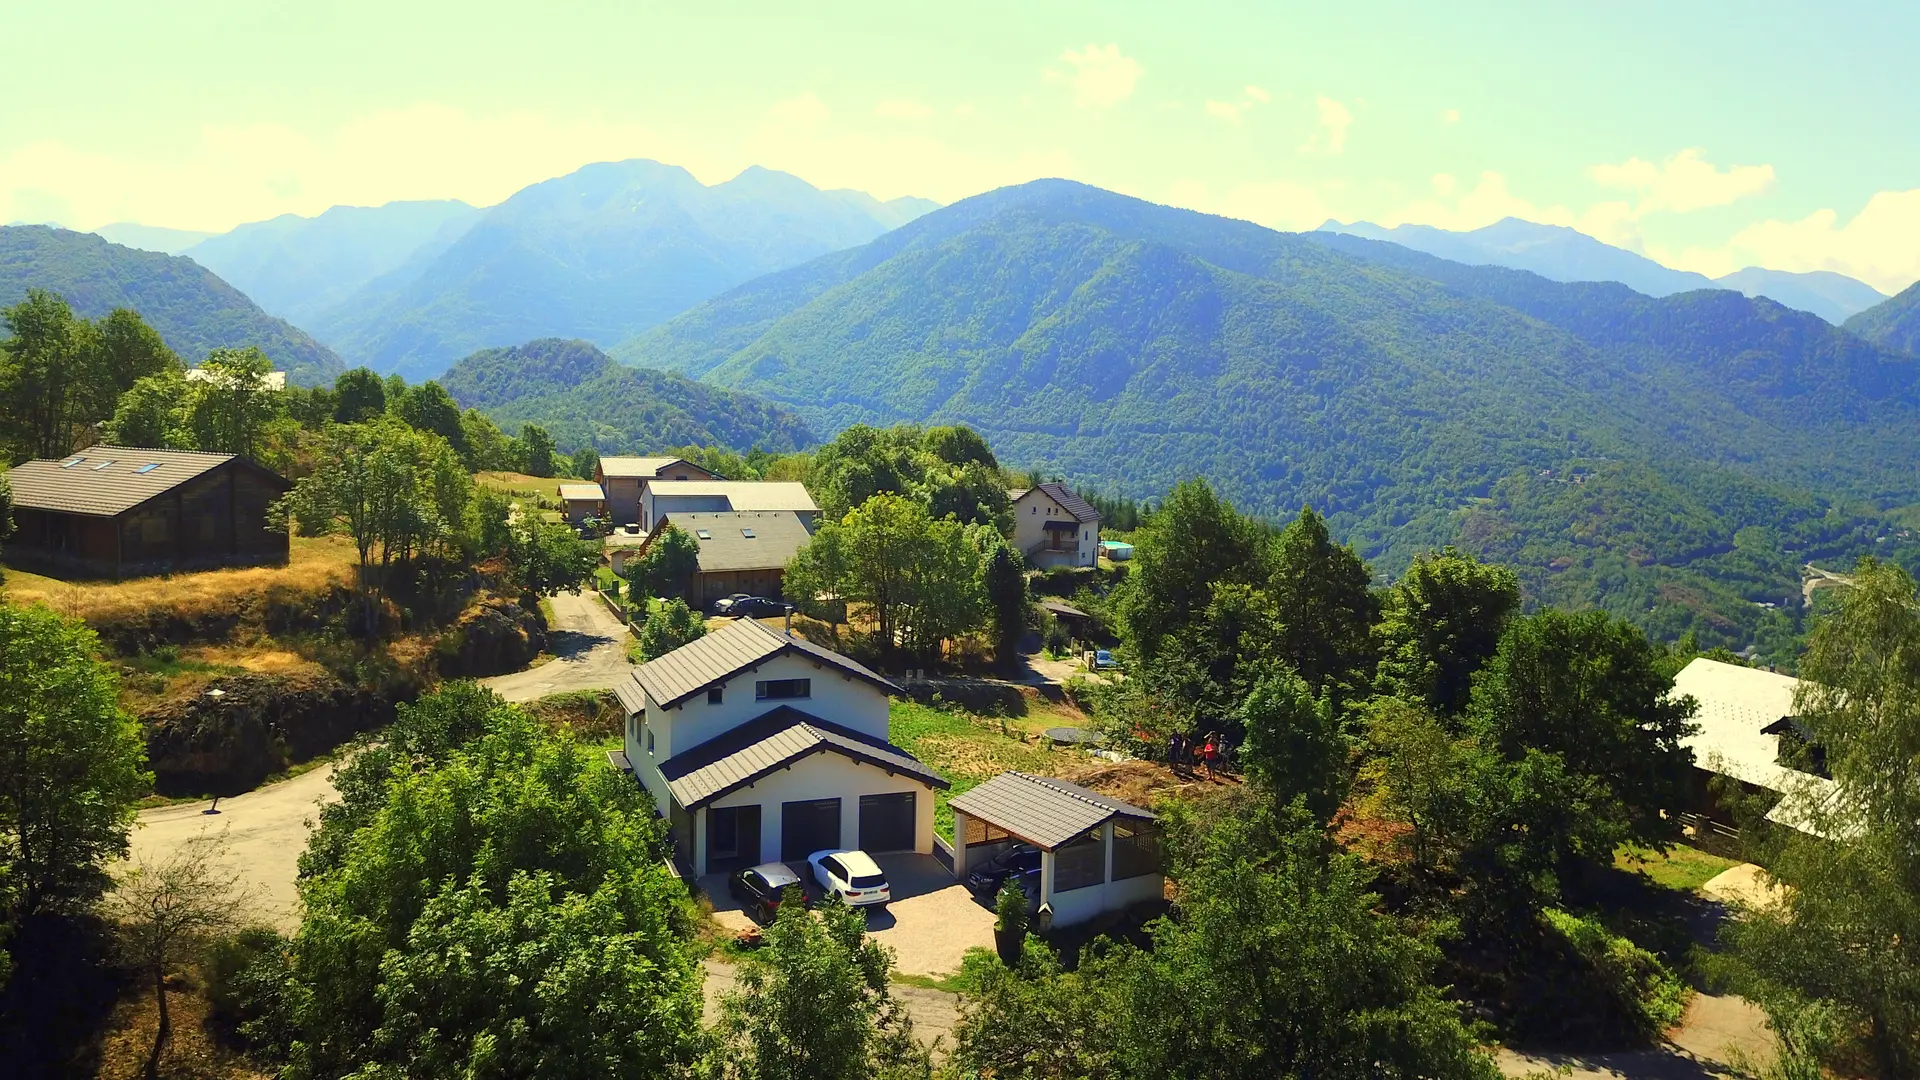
{"points": [[740, 494], [741, 644], [777, 536], [738, 757], [631, 697], [104, 481], [1041, 810]]}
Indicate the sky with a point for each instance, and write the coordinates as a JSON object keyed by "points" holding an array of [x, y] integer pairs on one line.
{"points": [[1707, 135]]}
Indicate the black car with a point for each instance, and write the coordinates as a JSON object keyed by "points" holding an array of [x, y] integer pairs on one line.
{"points": [[742, 606], [986, 878], [760, 888]]}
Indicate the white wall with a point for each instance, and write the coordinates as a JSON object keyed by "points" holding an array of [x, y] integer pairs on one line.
{"points": [[843, 699], [822, 775], [1030, 516], [1086, 903]]}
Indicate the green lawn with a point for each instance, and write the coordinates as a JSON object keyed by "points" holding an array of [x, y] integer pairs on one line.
{"points": [[1682, 868], [965, 748]]}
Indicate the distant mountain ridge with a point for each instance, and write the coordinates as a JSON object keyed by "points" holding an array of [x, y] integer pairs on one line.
{"points": [[1894, 324], [1559, 253], [583, 398], [193, 310], [151, 237], [601, 253], [299, 267]]}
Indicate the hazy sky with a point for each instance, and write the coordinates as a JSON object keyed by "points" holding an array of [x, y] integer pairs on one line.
{"points": [[1709, 135]]}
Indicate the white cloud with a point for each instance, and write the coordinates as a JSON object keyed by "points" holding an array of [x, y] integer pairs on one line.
{"points": [[1880, 245], [805, 111], [1686, 181], [1444, 185], [1331, 138], [1101, 75], [1254, 93], [1231, 111], [1225, 110], [1450, 116], [902, 110]]}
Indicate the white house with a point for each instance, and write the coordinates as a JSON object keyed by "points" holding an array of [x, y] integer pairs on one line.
{"points": [[758, 745], [1054, 527], [1746, 731], [1096, 854]]}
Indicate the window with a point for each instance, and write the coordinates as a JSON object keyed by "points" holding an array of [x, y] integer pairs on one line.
{"points": [[102, 465], [1079, 863], [979, 832], [714, 694], [649, 740], [833, 867], [703, 534], [71, 462], [147, 468], [868, 881], [1136, 849], [1033, 510], [776, 689], [748, 533]]}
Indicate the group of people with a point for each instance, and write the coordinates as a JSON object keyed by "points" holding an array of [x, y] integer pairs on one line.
{"points": [[1186, 753]]}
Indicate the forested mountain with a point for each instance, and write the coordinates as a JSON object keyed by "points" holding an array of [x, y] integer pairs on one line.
{"points": [[601, 254], [298, 267], [582, 398], [1130, 345], [193, 309], [151, 237], [1894, 324], [1562, 254]]}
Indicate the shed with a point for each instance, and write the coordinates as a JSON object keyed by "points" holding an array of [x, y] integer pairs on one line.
{"points": [[583, 501], [1096, 854], [1116, 550], [118, 511]]}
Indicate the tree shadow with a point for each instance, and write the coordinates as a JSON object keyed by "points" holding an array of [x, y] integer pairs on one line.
{"points": [[56, 1004]]}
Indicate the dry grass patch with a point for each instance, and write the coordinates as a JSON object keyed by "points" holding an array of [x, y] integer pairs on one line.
{"points": [[316, 564]]}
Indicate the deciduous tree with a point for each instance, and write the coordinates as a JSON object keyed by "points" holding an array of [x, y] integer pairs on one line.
{"points": [[1442, 621]]}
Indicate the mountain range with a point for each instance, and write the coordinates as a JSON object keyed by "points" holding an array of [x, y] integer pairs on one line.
{"points": [[1562, 254], [1894, 324], [151, 237], [193, 310]]}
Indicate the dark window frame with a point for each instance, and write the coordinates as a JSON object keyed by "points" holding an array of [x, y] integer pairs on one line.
{"points": [[765, 689]]}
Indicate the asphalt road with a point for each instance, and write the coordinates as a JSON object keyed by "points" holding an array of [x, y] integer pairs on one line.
{"points": [[589, 647]]}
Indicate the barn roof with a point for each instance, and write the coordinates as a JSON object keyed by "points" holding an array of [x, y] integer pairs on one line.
{"points": [[106, 481], [741, 644]]}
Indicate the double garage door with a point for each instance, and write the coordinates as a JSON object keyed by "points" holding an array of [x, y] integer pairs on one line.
{"points": [[886, 824]]}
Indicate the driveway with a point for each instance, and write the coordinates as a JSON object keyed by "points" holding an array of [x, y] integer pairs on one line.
{"points": [[266, 832], [931, 923], [589, 647], [1696, 1050]]}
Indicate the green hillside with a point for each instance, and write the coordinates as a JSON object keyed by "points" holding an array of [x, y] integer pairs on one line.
{"points": [[192, 309], [583, 398], [1129, 345], [1894, 324]]}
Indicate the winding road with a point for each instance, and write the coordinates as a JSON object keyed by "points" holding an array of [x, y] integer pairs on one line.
{"points": [[589, 647]]}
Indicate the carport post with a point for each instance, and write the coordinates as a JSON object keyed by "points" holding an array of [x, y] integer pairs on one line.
{"points": [[1046, 876], [700, 842], [960, 845]]}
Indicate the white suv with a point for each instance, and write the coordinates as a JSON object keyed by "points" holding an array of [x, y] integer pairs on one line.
{"points": [[853, 876]]}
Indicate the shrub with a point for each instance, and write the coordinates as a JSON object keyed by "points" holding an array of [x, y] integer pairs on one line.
{"points": [[246, 975], [1010, 908], [1623, 991], [674, 625]]}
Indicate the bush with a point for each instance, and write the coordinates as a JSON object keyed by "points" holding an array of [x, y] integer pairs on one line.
{"points": [[674, 625], [1599, 987], [245, 976], [1010, 908]]}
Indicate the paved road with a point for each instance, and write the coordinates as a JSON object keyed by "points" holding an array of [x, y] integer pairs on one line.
{"points": [[266, 830], [589, 647], [1696, 1050]]}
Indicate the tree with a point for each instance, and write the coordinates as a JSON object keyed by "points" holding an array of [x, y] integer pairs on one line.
{"points": [[667, 566], [1843, 935], [130, 350], [1293, 743], [504, 910], [1004, 581], [50, 380], [487, 447], [358, 396], [153, 413], [164, 910], [230, 406], [428, 407], [585, 462], [819, 1006], [1442, 621], [920, 579], [545, 557], [1195, 540], [72, 763], [536, 448], [1034, 1021], [674, 625], [1326, 610]]}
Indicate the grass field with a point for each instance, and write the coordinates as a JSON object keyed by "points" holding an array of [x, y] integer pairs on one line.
{"points": [[315, 564], [967, 748], [1682, 868]]}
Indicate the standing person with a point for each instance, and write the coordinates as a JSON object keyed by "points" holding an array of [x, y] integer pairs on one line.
{"points": [[1211, 752], [1174, 746]]}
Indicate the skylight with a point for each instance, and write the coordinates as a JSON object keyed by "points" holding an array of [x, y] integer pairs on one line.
{"points": [[71, 462], [148, 467], [102, 465], [703, 534], [748, 533]]}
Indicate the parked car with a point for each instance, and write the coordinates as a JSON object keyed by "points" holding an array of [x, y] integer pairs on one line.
{"points": [[985, 879], [853, 876], [761, 888], [744, 606], [1103, 659]]}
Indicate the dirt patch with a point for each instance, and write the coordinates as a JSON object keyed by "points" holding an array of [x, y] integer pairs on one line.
{"points": [[1144, 783]]}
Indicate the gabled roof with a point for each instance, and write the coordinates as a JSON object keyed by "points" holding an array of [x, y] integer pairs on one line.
{"points": [[643, 468], [1041, 810], [582, 493], [741, 495], [1742, 712], [776, 536], [105, 481], [738, 757], [724, 653], [1079, 508]]}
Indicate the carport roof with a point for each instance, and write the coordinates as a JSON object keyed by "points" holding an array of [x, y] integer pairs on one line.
{"points": [[773, 741], [1041, 810]]}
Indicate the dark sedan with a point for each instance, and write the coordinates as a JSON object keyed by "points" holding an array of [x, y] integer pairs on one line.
{"points": [[761, 888], [743, 606], [985, 879]]}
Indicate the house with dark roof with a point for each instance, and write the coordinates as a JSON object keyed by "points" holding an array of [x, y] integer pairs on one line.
{"points": [[117, 511], [1054, 527], [740, 552], [758, 745], [1097, 854]]}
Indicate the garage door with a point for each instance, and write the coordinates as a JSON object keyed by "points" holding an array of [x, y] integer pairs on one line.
{"points": [[807, 827], [886, 822]]}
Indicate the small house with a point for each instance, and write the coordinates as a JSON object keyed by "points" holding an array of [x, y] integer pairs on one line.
{"points": [[622, 479], [1096, 854], [1054, 527], [117, 511], [739, 552], [1746, 732], [758, 745], [583, 501]]}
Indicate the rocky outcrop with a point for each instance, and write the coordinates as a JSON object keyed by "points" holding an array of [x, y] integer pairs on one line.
{"points": [[243, 728], [492, 637]]}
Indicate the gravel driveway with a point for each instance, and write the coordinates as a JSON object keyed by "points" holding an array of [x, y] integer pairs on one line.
{"points": [[589, 647]]}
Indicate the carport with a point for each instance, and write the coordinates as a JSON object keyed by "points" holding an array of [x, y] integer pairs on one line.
{"points": [[1096, 854]]}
